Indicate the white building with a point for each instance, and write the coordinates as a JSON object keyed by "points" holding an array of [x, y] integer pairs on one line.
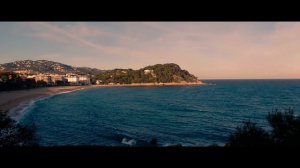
{"points": [[24, 72], [98, 82], [147, 71], [31, 76], [73, 79], [84, 79], [57, 77], [44, 77]]}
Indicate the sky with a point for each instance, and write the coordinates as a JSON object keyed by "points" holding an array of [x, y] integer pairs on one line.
{"points": [[209, 50]]}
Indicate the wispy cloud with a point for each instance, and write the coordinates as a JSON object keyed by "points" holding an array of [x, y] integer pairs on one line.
{"points": [[80, 35], [233, 50], [207, 49]]}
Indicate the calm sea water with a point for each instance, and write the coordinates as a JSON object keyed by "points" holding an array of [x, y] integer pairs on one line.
{"points": [[186, 115]]}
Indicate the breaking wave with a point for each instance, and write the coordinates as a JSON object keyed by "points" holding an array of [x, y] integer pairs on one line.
{"points": [[130, 142]]}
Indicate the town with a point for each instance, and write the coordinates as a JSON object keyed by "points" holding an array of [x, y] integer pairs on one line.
{"points": [[42, 73], [11, 80], [56, 79]]}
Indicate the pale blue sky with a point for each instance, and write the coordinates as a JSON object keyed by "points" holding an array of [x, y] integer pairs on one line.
{"points": [[207, 49]]}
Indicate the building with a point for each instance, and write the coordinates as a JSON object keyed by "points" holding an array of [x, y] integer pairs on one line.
{"points": [[84, 80], [24, 72], [31, 76], [44, 77], [148, 71], [73, 79], [57, 78], [99, 82]]}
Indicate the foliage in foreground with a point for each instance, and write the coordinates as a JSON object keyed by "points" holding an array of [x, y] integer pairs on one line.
{"points": [[285, 131], [14, 134]]}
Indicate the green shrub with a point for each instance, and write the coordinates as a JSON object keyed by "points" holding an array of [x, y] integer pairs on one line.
{"points": [[14, 134], [285, 131]]}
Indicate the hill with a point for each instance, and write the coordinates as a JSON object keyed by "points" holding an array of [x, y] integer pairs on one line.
{"points": [[44, 66], [159, 73]]}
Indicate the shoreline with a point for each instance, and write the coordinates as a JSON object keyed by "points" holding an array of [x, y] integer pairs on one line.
{"points": [[152, 84], [11, 101]]}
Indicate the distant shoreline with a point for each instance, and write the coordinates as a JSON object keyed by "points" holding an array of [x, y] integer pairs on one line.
{"points": [[10, 100], [152, 84]]}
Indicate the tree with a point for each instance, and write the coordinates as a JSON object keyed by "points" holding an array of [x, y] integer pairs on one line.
{"points": [[30, 83], [60, 83], [13, 81], [14, 134], [285, 131], [41, 83], [285, 127], [249, 135]]}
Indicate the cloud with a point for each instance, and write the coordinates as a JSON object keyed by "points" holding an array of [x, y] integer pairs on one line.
{"points": [[208, 49], [236, 50], [80, 34]]}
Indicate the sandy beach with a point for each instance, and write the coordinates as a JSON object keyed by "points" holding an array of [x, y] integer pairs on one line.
{"points": [[11, 99]]}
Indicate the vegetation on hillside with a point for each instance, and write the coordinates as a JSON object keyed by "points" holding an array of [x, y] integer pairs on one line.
{"points": [[44, 66], [159, 73], [285, 131]]}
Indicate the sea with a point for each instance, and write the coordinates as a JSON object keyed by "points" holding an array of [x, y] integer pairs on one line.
{"points": [[202, 115]]}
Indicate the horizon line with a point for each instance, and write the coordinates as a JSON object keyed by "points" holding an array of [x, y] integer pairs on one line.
{"points": [[156, 64]]}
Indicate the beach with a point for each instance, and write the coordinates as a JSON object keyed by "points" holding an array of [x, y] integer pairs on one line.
{"points": [[11, 99]]}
